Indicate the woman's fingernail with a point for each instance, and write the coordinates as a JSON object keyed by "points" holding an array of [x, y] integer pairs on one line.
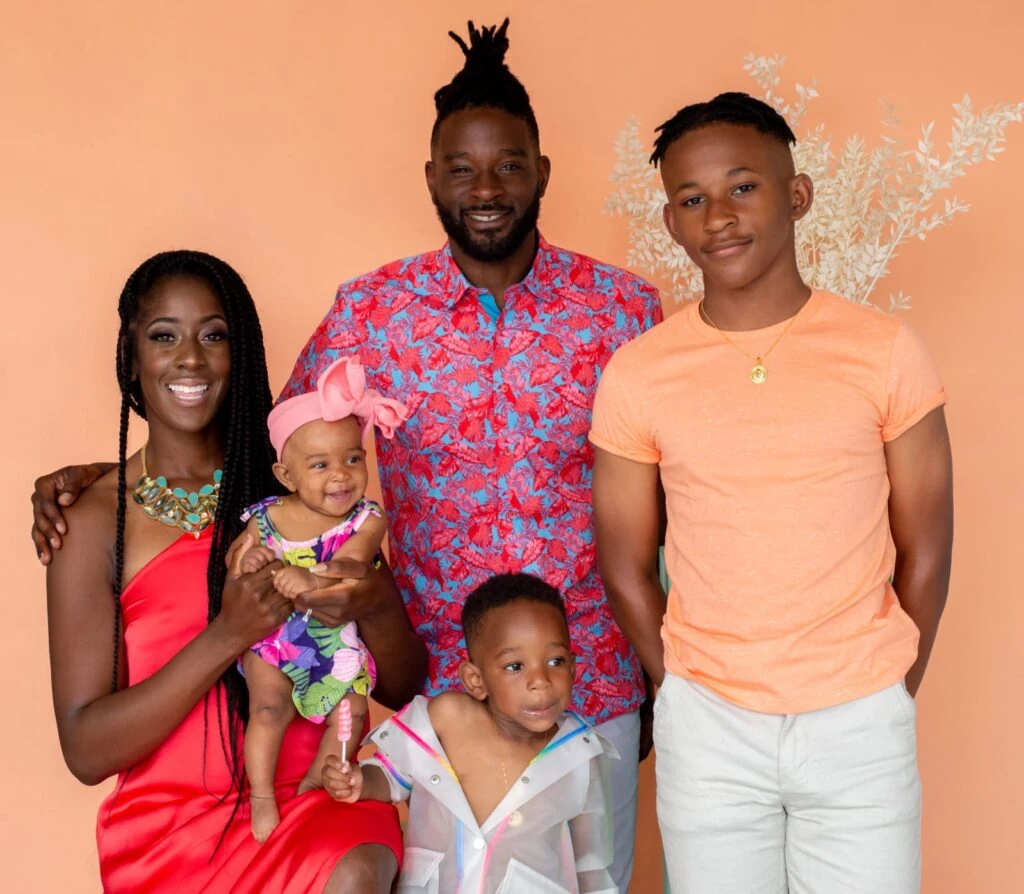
{"points": [[318, 569], [54, 542]]}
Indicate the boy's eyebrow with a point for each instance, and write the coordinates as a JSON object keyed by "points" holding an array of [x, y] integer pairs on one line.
{"points": [[732, 172]]}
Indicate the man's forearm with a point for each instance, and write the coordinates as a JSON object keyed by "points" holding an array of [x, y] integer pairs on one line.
{"points": [[638, 604], [399, 654], [922, 587]]}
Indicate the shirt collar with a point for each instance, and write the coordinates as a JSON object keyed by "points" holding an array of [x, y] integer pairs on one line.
{"points": [[453, 285]]}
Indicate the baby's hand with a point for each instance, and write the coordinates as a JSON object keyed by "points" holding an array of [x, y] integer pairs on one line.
{"points": [[255, 559], [343, 781], [292, 581]]}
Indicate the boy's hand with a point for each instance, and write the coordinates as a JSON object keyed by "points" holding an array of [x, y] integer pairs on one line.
{"points": [[255, 559], [343, 781], [292, 581]]}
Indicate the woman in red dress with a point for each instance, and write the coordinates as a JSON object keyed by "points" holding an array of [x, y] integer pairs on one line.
{"points": [[146, 621]]}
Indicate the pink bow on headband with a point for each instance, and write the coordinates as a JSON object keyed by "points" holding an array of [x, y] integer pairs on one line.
{"points": [[340, 392]]}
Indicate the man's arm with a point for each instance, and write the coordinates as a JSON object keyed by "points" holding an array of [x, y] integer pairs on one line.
{"points": [[370, 597], [920, 467], [627, 516]]}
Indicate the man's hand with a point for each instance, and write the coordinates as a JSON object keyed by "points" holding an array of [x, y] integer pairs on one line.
{"points": [[355, 591], [60, 488], [646, 727], [343, 781]]}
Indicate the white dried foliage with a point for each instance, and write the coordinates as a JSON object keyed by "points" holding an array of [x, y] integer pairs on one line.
{"points": [[868, 202]]}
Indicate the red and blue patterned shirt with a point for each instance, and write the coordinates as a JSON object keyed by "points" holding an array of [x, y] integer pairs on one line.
{"points": [[492, 471]]}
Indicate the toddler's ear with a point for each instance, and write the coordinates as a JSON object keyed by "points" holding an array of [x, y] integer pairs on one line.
{"points": [[472, 680], [282, 474]]}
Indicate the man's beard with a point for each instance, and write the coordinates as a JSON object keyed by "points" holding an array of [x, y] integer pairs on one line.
{"points": [[486, 248]]}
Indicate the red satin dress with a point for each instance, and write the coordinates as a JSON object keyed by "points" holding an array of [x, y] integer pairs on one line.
{"points": [[159, 828]]}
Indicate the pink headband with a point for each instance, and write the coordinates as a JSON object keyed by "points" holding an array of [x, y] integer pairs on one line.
{"points": [[340, 392]]}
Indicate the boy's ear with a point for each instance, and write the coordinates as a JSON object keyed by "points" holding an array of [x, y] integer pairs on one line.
{"points": [[282, 474], [472, 680], [802, 194]]}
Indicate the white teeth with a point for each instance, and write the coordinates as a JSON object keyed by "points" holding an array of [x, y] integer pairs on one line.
{"points": [[486, 218], [188, 389]]}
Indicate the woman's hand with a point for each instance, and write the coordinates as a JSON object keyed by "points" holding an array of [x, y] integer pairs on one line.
{"points": [[251, 608]]}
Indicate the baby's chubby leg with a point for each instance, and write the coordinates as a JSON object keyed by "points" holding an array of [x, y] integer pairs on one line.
{"points": [[329, 744], [270, 711]]}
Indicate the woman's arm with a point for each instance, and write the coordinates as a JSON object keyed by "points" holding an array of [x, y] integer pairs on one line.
{"points": [[103, 732]]}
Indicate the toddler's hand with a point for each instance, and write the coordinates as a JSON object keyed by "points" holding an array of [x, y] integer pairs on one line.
{"points": [[292, 581], [255, 558], [343, 781]]}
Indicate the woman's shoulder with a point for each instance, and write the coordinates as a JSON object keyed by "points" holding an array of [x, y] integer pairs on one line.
{"points": [[96, 506]]}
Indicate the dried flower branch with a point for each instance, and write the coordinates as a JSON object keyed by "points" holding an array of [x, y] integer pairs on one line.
{"points": [[868, 202]]}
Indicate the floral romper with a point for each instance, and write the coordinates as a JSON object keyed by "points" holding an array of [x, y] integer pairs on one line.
{"points": [[324, 663]]}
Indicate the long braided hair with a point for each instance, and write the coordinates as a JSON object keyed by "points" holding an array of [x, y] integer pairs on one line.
{"points": [[248, 455]]}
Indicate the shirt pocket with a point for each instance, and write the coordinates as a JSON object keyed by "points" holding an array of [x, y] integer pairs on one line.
{"points": [[419, 871], [520, 879]]}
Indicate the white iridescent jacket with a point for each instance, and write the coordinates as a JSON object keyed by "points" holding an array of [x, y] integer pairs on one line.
{"points": [[551, 834]]}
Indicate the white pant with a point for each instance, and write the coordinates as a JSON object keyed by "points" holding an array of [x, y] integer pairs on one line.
{"points": [[624, 733], [827, 802]]}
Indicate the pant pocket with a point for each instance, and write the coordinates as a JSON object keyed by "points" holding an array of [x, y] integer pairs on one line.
{"points": [[906, 702]]}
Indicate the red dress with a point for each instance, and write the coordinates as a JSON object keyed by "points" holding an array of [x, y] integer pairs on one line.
{"points": [[159, 828]]}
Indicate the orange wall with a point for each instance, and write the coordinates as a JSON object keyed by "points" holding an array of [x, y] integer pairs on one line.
{"points": [[289, 139]]}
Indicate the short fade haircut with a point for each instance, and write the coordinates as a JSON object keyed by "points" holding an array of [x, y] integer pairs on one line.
{"points": [[726, 108], [484, 80], [502, 590]]}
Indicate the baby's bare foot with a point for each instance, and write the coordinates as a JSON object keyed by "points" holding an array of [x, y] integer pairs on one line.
{"points": [[264, 816], [309, 783]]}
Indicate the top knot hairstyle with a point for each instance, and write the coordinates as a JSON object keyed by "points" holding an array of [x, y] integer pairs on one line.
{"points": [[484, 81], [726, 108]]}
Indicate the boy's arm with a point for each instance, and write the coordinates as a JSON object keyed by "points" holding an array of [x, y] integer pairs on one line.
{"points": [[591, 835], [920, 468], [627, 518]]}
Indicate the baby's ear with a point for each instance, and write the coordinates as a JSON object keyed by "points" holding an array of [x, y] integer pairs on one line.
{"points": [[282, 474], [472, 680]]}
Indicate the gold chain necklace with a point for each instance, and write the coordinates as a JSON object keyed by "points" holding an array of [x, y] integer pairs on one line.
{"points": [[515, 818], [758, 373], [193, 511]]}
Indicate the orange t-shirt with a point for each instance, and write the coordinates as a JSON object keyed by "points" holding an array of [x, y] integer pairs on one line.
{"points": [[778, 544]]}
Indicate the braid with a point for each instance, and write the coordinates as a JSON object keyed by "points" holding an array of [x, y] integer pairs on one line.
{"points": [[485, 80], [122, 449], [248, 455]]}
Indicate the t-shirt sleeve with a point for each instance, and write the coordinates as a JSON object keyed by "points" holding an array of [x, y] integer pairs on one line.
{"points": [[618, 424], [913, 386]]}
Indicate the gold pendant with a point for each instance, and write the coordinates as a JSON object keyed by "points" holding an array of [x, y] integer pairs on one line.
{"points": [[758, 373]]}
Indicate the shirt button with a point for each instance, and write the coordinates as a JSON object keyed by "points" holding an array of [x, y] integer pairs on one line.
{"points": [[586, 739], [434, 780], [526, 780], [479, 844], [384, 734]]}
